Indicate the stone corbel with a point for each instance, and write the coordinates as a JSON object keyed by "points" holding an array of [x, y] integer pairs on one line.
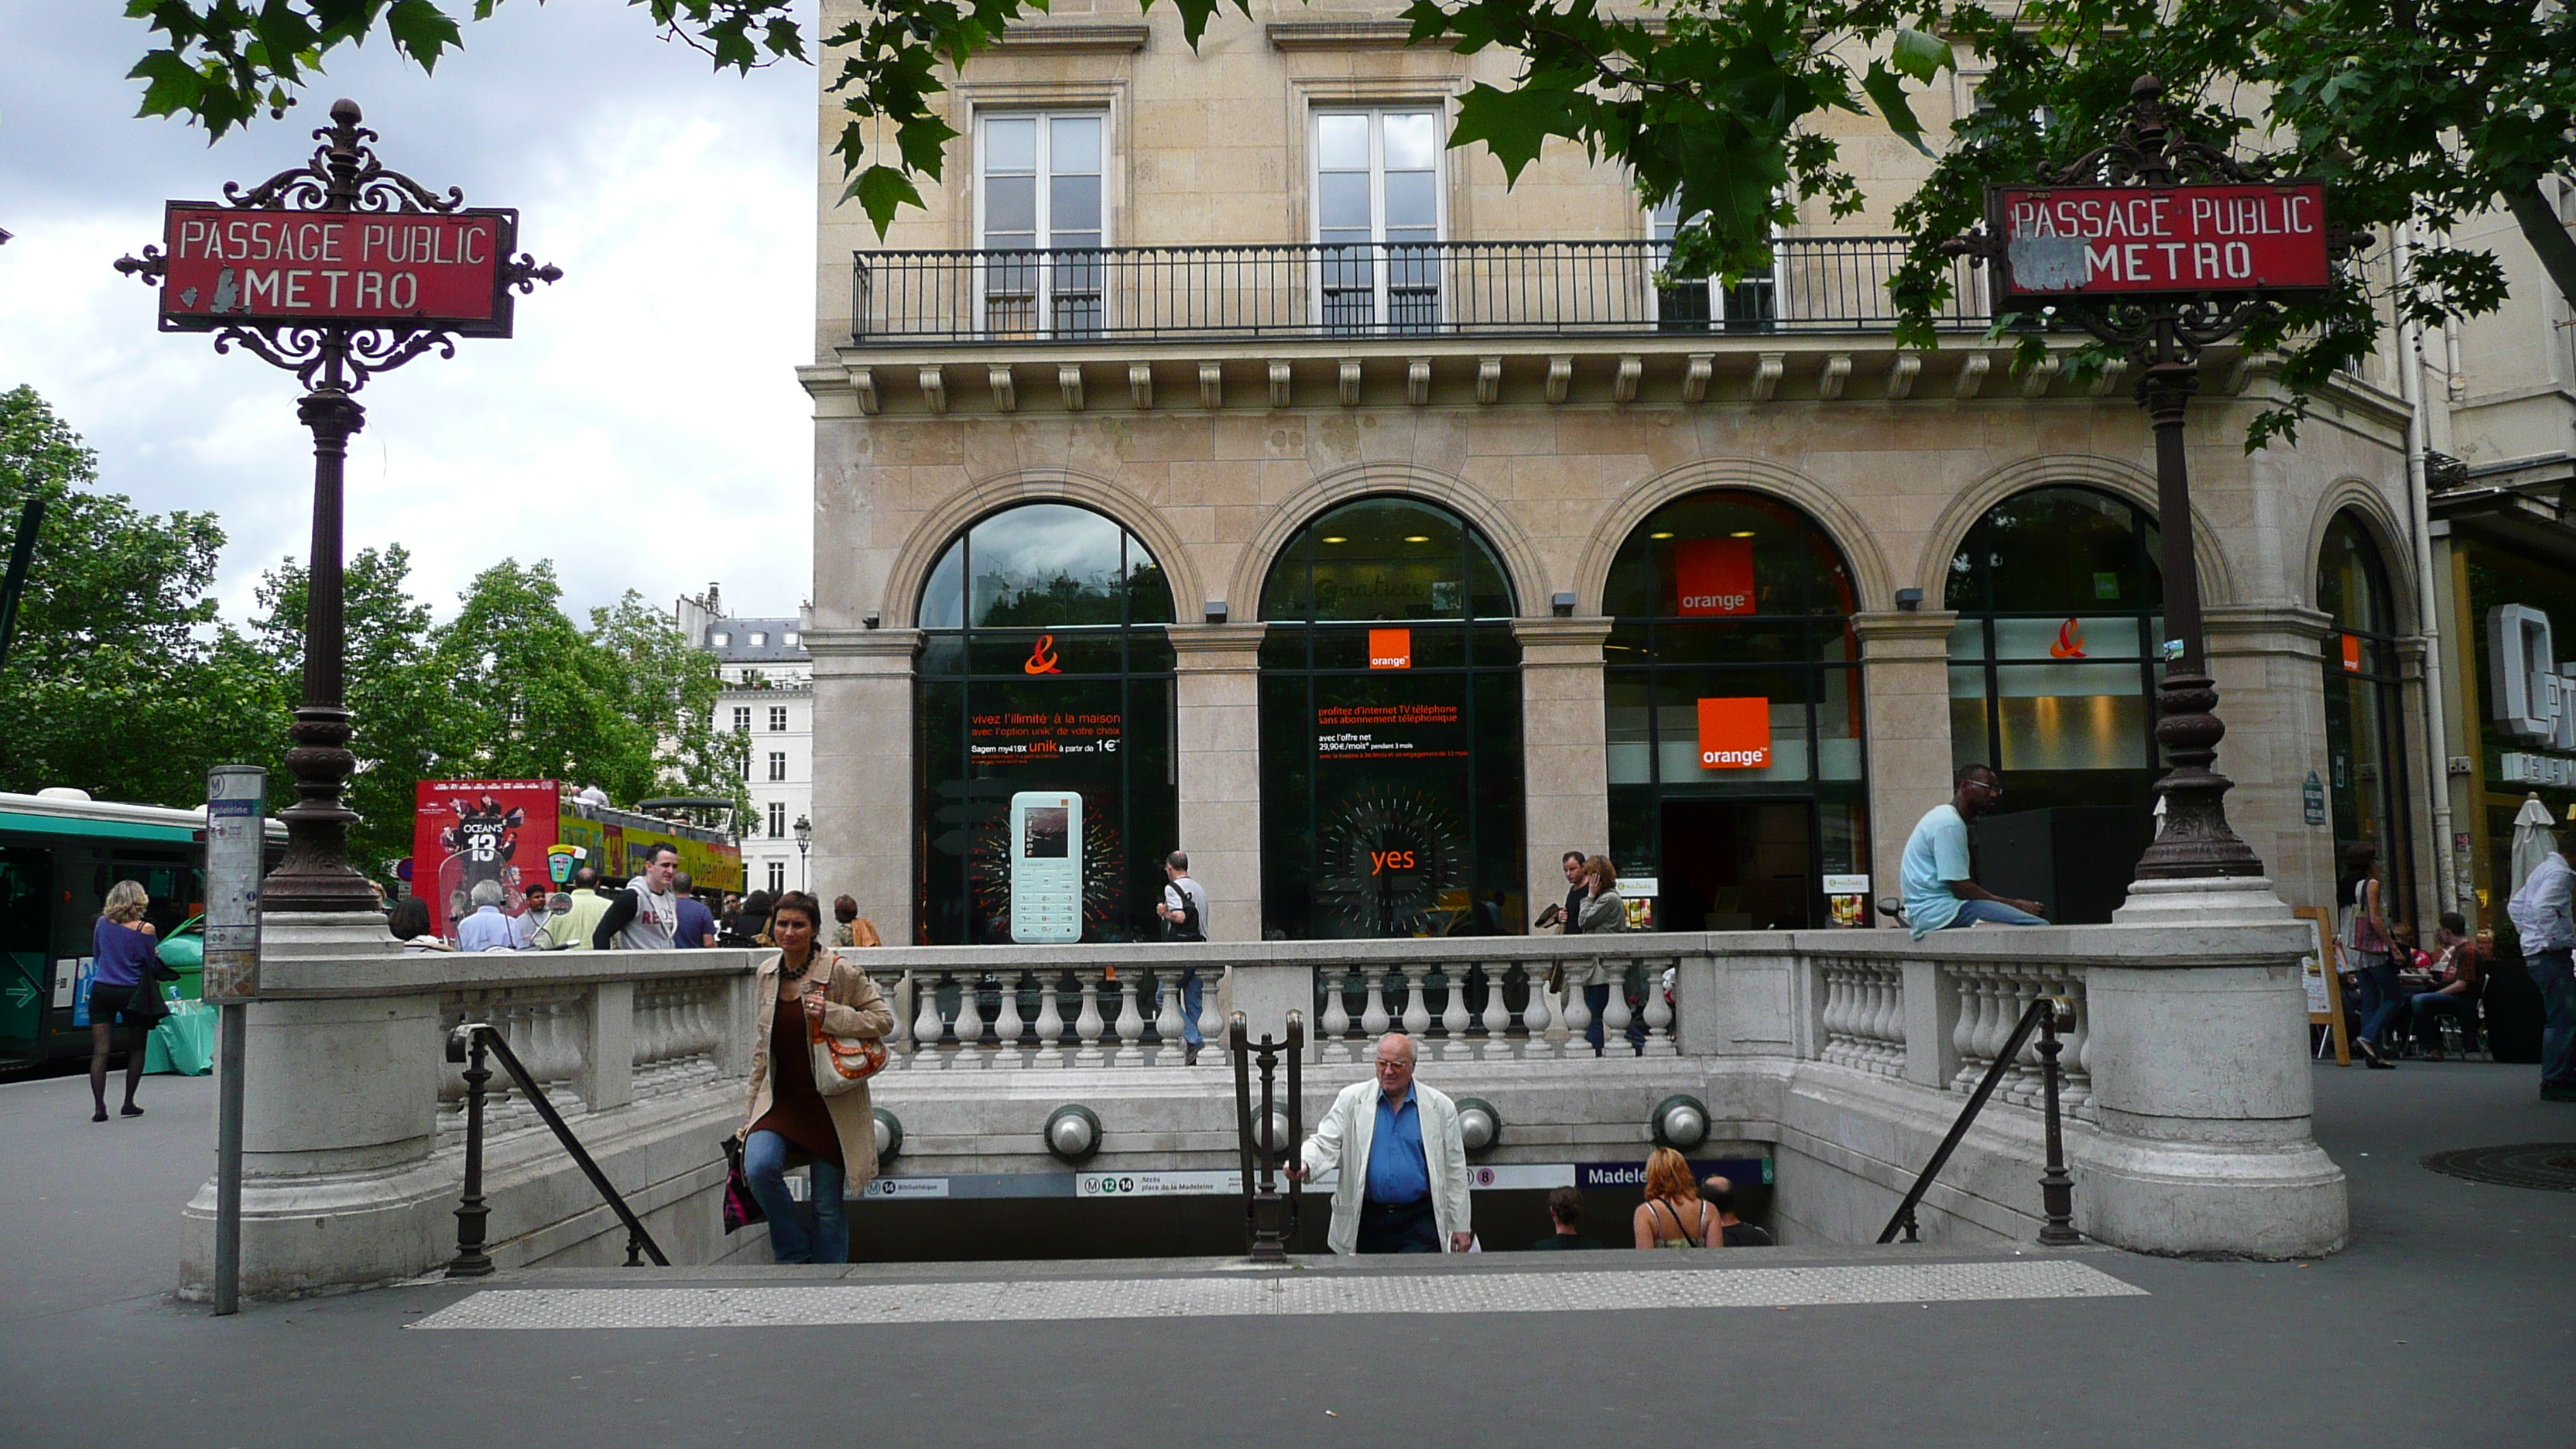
{"points": [[1281, 375], [1560, 378], [2109, 377], [1695, 377], [1837, 371], [934, 388], [1768, 369], [1068, 380], [1006, 392], [1140, 386], [1972, 375], [863, 381], [1211, 385], [1417, 381], [2034, 383], [1901, 374], [1350, 382], [1489, 380], [1623, 388]]}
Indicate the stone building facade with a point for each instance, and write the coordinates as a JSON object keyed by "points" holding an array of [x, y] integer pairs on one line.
{"points": [[767, 698], [1191, 321]]}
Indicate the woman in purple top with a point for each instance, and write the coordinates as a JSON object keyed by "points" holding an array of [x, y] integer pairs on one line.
{"points": [[120, 983]]}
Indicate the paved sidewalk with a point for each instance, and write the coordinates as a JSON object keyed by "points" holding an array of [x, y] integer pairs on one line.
{"points": [[2448, 1322]]}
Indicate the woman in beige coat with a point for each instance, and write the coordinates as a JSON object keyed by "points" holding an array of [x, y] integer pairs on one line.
{"points": [[800, 987]]}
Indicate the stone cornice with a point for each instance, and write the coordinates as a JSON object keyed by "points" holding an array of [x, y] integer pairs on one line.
{"points": [[1075, 37], [1202, 646], [1562, 633], [1922, 628], [1338, 34], [2236, 621], [863, 643]]}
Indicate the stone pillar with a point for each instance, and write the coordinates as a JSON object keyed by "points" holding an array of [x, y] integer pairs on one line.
{"points": [[1905, 667], [1217, 733], [863, 777], [2270, 667], [1564, 769]]}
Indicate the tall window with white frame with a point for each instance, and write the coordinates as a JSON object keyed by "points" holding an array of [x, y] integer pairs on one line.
{"points": [[777, 719], [1039, 220], [777, 766], [1751, 304], [777, 876], [742, 719], [777, 819], [1378, 218]]}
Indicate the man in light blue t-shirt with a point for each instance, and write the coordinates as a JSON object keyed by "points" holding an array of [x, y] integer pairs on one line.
{"points": [[1938, 892]]}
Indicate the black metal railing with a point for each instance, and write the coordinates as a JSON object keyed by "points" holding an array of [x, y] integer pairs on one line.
{"points": [[466, 1045], [2048, 1015], [1268, 1142], [1384, 289]]}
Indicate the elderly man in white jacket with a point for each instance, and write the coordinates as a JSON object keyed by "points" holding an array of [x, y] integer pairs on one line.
{"points": [[1403, 1163]]}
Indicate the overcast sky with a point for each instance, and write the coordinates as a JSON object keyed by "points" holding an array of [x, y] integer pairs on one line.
{"points": [[644, 429]]}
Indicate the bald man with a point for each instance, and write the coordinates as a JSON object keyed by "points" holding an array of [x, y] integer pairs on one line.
{"points": [[1403, 1162]]}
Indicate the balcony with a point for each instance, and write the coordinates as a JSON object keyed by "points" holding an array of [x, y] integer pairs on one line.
{"points": [[1428, 291]]}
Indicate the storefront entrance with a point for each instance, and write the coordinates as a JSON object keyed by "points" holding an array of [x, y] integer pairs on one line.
{"points": [[1738, 865]]}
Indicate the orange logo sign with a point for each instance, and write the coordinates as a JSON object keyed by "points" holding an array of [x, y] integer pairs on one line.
{"points": [[1042, 658], [2352, 653], [1735, 734], [2070, 641], [1390, 649], [1715, 575]]}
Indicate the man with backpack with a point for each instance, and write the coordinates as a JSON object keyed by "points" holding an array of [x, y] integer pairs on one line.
{"points": [[1183, 910]]}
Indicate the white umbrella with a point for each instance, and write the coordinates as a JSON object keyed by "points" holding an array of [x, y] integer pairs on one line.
{"points": [[2532, 840]]}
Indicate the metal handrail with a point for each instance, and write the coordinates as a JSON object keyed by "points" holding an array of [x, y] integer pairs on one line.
{"points": [[467, 1044], [2048, 1015], [1268, 1235], [1377, 289]]}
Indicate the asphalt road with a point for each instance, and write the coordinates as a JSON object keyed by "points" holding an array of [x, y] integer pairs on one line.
{"points": [[2447, 1322]]}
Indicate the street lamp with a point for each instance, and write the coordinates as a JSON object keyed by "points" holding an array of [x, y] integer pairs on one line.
{"points": [[804, 840]]}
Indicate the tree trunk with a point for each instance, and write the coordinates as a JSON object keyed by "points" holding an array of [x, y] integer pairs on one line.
{"points": [[2547, 235]]}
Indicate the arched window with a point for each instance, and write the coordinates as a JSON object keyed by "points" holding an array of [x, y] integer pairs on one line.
{"points": [[2365, 726], [1733, 718], [1044, 666], [2060, 600], [1390, 729]]}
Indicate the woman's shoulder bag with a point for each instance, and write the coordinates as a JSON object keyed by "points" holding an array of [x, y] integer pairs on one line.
{"points": [[841, 1064]]}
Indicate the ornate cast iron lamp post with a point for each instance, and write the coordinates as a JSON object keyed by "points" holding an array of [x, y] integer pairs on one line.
{"points": [[335, 270], [2162, 246]]}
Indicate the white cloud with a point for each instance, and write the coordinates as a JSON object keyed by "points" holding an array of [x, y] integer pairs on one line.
{"points": [[644, 429]]}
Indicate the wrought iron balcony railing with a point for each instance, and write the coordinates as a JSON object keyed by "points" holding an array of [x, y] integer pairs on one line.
{"points": [[1413, 289]]}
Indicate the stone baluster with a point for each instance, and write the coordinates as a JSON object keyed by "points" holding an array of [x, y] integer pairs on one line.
{"points": [[1087, 1025], [1333, 1022], [1167, 1014], [1131, 1023], [2001, 1012], [902, 994], [1887, 1022], [1008, 1027], [1659, 1014], [1615, 1015], [1537, 1015], [970, 1021], [2026, 1087], [1212, 1005], [1373, 1018], [926, 1021], [1416, 1019], [2076, 1087], [1578, 1020], [706, 1015], [1496, 1019], [562, 1048], [1050, 1020], [1963, 1036], [1453, 1012], [1836, 1050]]}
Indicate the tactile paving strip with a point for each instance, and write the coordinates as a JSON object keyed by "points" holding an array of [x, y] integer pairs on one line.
{"points": [[828, 1305]]}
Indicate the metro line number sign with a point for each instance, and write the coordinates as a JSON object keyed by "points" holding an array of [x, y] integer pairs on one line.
{"points": [[263, 267], [2064, 242]]}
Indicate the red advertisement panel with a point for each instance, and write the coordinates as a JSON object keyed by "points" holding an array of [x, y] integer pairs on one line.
{"points": [[1735, 734], [2070, 241], [1390, 649], [230, 267], [465, 832], [1715, 575]]}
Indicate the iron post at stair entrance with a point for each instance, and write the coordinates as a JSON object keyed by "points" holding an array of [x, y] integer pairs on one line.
{"points": [[1267, 1141], [2162, 246], [335, 270]]}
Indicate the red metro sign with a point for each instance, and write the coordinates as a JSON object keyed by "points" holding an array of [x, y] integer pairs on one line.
{"points": [[2128, 241], [236, 267]]}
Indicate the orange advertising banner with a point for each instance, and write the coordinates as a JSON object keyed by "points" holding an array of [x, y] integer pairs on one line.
{"points": [[1735, 734], [1390, 649], [2352, 653], [1715, 575]]}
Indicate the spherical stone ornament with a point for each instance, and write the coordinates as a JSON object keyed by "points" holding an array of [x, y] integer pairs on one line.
{"points": [[1073, 1133], [1680, 1122], [1480, 1124]]}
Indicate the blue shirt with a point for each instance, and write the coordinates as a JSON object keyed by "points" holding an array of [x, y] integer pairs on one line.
{"points": [[486, 930], [1397, 1170], [696, 922], [119, 951], [1935, 855]]}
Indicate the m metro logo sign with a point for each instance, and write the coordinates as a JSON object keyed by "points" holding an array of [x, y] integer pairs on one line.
{"points": [[1715, 575], [1735, 734], [1390, 649]]}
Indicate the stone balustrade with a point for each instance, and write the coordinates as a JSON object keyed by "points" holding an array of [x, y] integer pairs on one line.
{"points": [[1844, 1053]]}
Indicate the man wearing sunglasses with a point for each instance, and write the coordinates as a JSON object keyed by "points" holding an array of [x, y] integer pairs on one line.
{"points": [[1938, 890]]}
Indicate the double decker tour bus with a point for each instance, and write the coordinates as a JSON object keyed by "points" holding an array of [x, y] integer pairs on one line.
{"points": [[531, 835]]}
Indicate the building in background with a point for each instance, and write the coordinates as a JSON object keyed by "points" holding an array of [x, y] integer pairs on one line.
{"points": [[768, 699]]}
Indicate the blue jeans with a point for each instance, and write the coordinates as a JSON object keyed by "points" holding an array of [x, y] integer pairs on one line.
{"points": [[764, 1164], [2425, 1007], [1971, 912], [1597, 997], [2554, 972], [1189, 1006], [2387, 999]]}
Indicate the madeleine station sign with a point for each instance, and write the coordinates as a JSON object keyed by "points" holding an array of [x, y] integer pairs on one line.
{"points": [[2114, 241], [228, 267]]}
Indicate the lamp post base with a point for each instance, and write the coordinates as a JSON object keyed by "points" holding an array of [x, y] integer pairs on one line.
{"points": [[2233, 900]]}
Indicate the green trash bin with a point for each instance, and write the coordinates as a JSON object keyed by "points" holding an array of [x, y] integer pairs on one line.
{"points": [[184, 951], [183, 1042]]}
